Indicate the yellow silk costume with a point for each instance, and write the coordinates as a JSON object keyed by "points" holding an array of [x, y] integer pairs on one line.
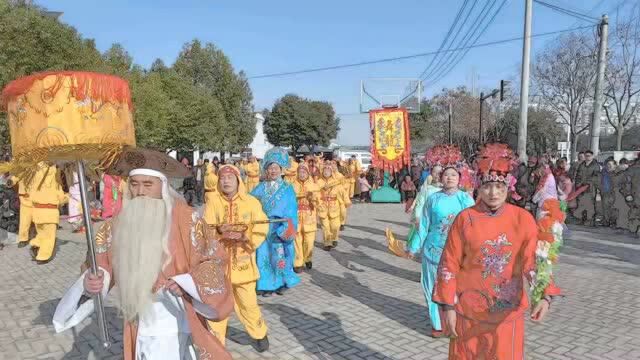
{"points": [[332, 200], [46, 196], [308, 196], [253, 175], [345, 185], [210, 184], [291, 173], [242, 208], [353, 175], [26, 209]]}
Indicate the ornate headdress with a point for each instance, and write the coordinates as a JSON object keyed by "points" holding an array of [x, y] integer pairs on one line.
{"points": [[276, 155], [494, 163], [444, 155]]}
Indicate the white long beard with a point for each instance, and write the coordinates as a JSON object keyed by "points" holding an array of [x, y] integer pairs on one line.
{"points": [[140, 250]]}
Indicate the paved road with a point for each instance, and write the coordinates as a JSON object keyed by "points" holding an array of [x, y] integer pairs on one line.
{"points": [[359, 302]]}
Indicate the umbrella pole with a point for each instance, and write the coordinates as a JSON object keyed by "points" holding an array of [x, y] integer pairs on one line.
{"points": [[86, 212]]}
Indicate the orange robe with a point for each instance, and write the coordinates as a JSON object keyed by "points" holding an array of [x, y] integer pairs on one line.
{"points": [[192, 253], [486, 259]]}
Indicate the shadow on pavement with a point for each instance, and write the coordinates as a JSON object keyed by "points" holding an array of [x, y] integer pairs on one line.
{"points": [[346, 258], [357, 242], [367, 229], [406, 313], [86, 341], [323, 337], [399, 223]]}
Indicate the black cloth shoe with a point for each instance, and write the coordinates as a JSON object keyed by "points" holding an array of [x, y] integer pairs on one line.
{"points": [[267, 293], [297, 270], [34, 252], [308, 265], [341, 227], [334, 244], [326, 248], [281, 291], [22, 244], [261, 345]]}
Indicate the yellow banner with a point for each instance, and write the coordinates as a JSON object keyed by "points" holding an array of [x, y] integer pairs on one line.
{"points": [[389, 133]]}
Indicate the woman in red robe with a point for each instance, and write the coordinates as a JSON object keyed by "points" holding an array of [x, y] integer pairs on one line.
{"points": [[488, 256]]}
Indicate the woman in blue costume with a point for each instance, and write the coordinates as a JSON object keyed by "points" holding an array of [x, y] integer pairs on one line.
{"points": [[417, 231], [438, 214], [276, 254]]}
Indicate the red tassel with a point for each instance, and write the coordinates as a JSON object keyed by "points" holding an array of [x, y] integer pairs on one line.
{"points": [[291, 232], [101, 88]]}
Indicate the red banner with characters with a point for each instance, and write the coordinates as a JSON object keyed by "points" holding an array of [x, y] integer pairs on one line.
{"points": [[390, 145]]}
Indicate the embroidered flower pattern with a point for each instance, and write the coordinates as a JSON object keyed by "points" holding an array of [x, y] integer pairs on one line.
{"points": [[446, 275], [445, 225], [281, 264], [496, 257], [506, 295]]}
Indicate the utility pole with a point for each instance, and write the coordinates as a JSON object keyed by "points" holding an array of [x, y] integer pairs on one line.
{"points": [[597, 103], [450, 118], [480, 132], [524, 82], [482, 99]]}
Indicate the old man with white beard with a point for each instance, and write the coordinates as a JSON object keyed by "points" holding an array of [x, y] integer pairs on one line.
{"points": [[168, 269]]}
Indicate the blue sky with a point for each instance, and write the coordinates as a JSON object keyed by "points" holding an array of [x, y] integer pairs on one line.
{"points": [[263, 37]]}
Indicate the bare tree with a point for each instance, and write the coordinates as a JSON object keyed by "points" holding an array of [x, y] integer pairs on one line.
{"points": [[622, 82], [564, 75], [466, 116]]}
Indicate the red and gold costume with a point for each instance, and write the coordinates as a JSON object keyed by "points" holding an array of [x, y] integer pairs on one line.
{"points": [[487, 258]]}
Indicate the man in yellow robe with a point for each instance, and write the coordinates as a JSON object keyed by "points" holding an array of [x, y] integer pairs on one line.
{"points": [[332, 200], [345, 185], [356, 169], [308, 195], [26, 211], [253, 173], [46, 196], [233, 205], [291, 173], [210, 183]]}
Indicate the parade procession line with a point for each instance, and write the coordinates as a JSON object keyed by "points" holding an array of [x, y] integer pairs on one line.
{"points": [[358, 302]]}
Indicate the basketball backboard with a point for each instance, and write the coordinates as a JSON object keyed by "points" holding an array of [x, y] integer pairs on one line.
{"points": [[377, 93]]}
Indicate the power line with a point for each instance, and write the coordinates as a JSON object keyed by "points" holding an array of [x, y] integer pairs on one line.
{"points": [[446, 58], [565, 11], [452, 43], [414, 56], [446, 38], [455, 58]]}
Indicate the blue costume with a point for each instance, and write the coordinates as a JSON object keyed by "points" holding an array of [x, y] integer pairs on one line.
{"points": [[418, 233], [276, 254], [438, 215]]}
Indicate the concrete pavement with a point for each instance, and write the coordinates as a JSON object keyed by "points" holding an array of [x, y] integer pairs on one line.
{"points": [[358, 302]]}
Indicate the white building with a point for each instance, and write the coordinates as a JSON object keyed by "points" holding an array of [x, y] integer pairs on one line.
{"points": [[259, 145]]}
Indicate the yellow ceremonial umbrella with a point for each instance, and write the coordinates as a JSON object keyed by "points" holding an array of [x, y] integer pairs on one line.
{"points": [[69, 116]]}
